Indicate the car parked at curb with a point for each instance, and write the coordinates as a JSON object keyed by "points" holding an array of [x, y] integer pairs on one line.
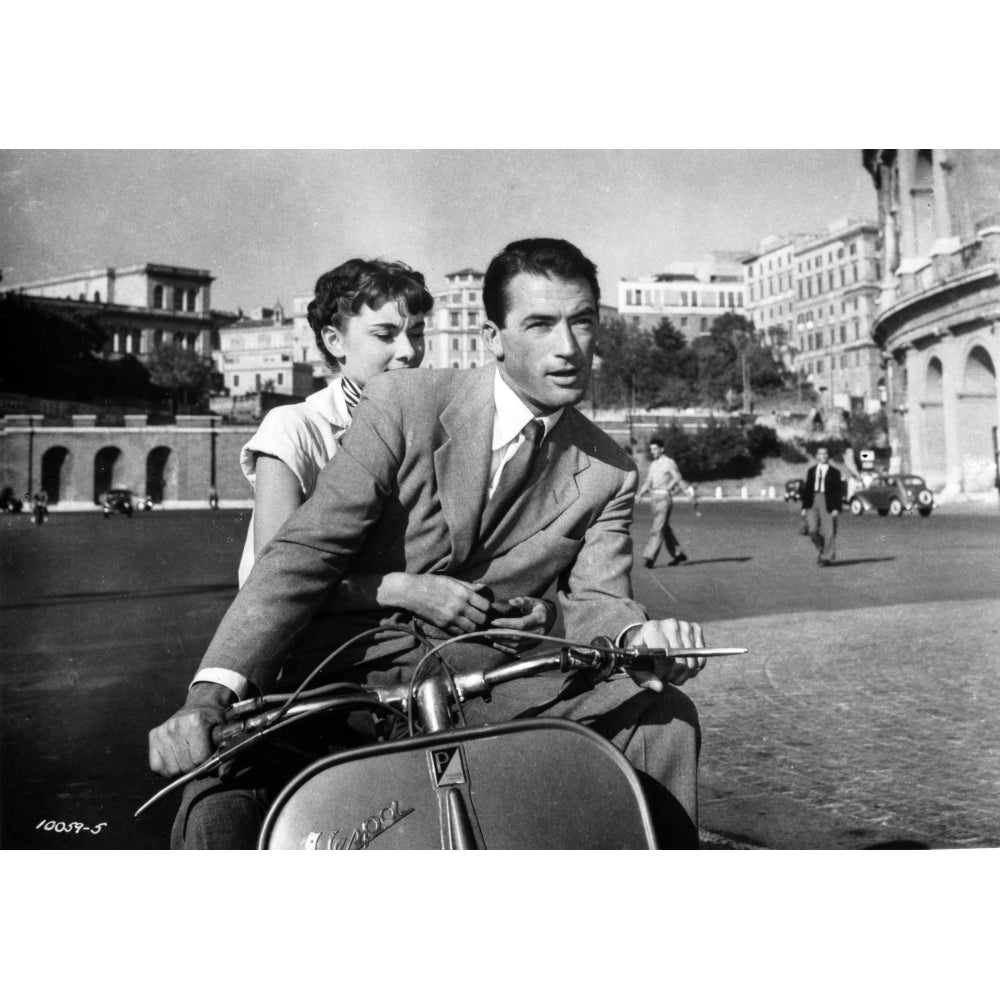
{"points": [[893, 494], [118, 502]]}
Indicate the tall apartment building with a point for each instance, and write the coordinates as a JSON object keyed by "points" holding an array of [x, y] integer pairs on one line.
{"points": [[140, 307], [453, 335], [690, 294], [837, 278], [769, 276]]}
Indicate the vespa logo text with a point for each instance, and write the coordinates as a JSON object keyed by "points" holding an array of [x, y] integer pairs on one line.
{"points": [[362, 835]]}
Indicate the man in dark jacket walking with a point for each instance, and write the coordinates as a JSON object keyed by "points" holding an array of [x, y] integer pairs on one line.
{"points": [[822, 498]]}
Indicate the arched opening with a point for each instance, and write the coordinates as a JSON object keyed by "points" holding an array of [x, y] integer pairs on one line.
{"points": [[935, 464], [977, 416], [106, 463], [53, 467], [158, 471]]}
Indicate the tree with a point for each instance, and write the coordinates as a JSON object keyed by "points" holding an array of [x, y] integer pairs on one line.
{"points": [[186, 376], [627, 364]]}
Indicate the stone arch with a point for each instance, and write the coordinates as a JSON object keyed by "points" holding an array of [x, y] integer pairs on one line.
{"points": [[57, 463], [977, 416], [161, 474], [935, 457], [107, 462]]}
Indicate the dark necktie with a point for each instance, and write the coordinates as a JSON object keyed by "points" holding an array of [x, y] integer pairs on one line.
{"points": [[820, 479], [352, 394], [513, 477]]}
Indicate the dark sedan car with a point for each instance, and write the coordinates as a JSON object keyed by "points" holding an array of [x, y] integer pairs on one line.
{"points": [[118, 502], [793, 489], [892, 494]]}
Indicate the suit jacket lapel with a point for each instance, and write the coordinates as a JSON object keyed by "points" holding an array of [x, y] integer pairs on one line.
{"points": [[462, 460], [552, 488]]}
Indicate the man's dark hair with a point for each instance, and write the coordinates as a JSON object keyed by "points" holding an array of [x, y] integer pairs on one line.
{"points": [[344, 291], [658, 442], [543, 257]]}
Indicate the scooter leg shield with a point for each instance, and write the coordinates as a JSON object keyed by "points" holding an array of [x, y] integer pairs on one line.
{"points": [[535, 784]]}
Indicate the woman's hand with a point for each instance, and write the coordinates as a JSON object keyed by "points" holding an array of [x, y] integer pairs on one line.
{"points": [[454, 606]]}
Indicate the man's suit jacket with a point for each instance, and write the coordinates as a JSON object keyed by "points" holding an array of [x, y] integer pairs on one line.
{"points": [[833, 489], [405, 492]]}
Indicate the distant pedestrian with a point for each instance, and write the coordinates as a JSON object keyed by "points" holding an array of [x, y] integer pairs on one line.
{"points": [[40, 507], [662, 481], [822, 498]]}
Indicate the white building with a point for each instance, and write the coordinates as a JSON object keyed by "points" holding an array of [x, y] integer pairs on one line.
{"points": [[267, 351], [453, 334], [690, 294]]}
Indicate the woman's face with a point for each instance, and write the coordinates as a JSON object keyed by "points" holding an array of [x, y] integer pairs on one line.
{"points": [[377, 340]]}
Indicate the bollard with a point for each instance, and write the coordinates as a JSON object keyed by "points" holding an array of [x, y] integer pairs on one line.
{"points": [[770, 493], [744, 493], [718, 492]]}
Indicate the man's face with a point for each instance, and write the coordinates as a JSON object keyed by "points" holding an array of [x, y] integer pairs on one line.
{"points": [[546, 346], [822, 456], [655, 450]]}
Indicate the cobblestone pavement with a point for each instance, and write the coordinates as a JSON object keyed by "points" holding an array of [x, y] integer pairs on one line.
{"points": [[864, 715]]}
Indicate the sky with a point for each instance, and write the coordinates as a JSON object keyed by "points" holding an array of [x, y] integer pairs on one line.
{"points": [[266, 223]]}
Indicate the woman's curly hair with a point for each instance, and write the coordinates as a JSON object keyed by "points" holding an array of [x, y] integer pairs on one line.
{"points": [[344, 291]]}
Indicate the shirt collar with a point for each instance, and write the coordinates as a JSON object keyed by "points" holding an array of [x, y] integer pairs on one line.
{"points": [[331, 403], [510, 414]]}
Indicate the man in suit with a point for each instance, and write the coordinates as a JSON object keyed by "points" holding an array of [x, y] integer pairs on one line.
{"points": [[422, 484], [822, 499]]}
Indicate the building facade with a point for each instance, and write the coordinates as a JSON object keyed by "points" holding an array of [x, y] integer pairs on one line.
{"points": [[837, 278], [267, 351], [453, 337], [140, 308], [690, 295], [769, 277], [938, 316]]}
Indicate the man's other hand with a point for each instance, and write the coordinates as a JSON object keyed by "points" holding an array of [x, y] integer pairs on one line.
{"points": [[182, 742], [531, 615], [668, 633]]}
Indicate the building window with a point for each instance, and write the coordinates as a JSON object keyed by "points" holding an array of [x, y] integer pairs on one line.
{"points": [[638, 296], [472, 296], [454, 343], [97, 296], [853, 249], [157, 338], [684, 321], [855, 268], [628, 296], [236, 381], [472, 344], [158, 297], [739, 299], [178, 299], [281, 378], [192, 296], [456, 319], [457, 297], [684, 299], [473, 317], [704, 324], [454, 364], [473, 365]]}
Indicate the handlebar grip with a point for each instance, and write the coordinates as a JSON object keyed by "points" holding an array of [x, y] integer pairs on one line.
{"points": [[226, 732]]}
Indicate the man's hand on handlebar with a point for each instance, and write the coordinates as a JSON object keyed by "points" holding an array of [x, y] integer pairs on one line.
{"points": [[185, 740], [668, 633]]}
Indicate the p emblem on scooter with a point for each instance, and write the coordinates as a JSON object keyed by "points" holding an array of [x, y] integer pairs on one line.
{"points": [[447, 766]]}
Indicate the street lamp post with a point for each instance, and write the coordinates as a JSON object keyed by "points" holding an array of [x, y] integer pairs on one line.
{"points": [[31, 457]]}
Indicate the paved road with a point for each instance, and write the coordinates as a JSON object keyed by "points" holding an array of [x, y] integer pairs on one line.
{"points": [[862, 716]]}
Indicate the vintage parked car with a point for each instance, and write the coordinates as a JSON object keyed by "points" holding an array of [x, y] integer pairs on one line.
{"points": [[892, 494], [118, 502], [793, 489]]}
